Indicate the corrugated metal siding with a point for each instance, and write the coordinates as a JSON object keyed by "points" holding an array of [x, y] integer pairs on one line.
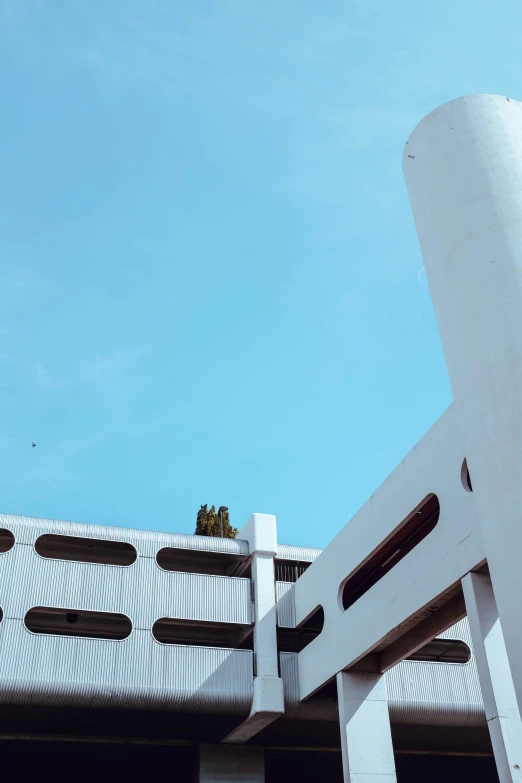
{"points": [[306, 553], [146, 542], [143, 591], [285, 604], [443, 694], [137, 672], [202, 597], [437, 693], [315, 709], [232, 546]]}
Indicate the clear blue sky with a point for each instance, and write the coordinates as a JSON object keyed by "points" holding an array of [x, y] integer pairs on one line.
{"points": [[212, 287]]}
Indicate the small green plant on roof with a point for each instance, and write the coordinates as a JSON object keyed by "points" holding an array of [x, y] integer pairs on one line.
{"points": [[212, 523]]}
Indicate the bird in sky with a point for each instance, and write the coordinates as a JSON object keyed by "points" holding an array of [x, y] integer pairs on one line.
{"points": [[33, 445]]}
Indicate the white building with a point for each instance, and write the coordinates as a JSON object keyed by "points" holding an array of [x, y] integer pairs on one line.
{"points": [[396, 653]]}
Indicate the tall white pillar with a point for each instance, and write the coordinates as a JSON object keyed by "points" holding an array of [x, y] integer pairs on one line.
{"points": [[366, 741], [268, 700], [225, 764], [496, 683], [265, 627], [463, 169]]}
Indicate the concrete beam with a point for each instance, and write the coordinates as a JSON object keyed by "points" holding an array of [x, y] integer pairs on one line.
{"points": [[424, 632], [411, 590]]}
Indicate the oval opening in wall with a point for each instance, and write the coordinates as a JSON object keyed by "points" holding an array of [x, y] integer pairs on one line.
{"points": [[7, 540], [202, 633], [296, 639], [78, 622], [86, 550], [465, 477], [443, 651], [406, 536], [200, 561]]}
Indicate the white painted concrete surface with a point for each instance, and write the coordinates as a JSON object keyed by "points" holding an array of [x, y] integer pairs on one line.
{"points": [[496, 682], [452, 549], [268, 701], [265, 614], [364, 722], [463, 170]]}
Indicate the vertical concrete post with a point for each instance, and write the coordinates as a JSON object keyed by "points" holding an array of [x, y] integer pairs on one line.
{"points": [[268, 701], [496, 683], [222, 764], [463, 170], [366, 741]]}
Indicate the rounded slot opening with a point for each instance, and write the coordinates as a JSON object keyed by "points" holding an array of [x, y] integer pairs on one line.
{"points": [[465, 477], [7, 540], [84, 623], [406, 536], [85, 550]]}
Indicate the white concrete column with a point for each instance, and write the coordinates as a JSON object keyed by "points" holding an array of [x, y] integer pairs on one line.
{"points": [[225, 764], [496, 683], [463, 169], [364, 721], [268, 701], [265, 627]]}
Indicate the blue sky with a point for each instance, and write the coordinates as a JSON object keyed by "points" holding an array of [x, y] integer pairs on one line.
{"points": [[212, 286]]}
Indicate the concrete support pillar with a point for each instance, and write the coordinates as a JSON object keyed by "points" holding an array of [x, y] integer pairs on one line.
{"points": [[268, 701], [463, 170], [224, 764], [366, 740], [265, 626], [498, 692]]}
